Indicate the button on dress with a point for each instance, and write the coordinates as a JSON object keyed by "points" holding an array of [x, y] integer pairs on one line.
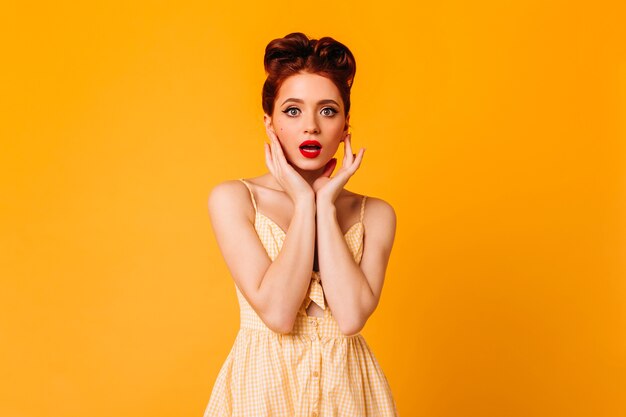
{"points": [[314, 371]]}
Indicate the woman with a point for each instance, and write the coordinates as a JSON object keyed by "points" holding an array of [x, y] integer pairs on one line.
{"points": [[308, 257]]}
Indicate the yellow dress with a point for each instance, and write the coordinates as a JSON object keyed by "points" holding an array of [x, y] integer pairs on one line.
{"points": [[314, 371]]}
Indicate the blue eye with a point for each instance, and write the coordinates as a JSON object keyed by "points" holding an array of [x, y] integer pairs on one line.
{"points": [[289, 112], [331, 112]]}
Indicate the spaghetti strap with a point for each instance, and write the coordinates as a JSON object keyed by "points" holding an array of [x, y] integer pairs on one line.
{"points": [[362, 208], [251, 193]]}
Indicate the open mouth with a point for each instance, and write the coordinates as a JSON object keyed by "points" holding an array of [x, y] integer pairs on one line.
{"points": [[310, 148]]}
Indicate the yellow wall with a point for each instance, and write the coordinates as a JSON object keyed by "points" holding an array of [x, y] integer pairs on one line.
{"points": [[496, 129]]}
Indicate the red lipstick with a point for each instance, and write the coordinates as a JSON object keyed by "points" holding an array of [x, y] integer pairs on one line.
{"points": [[310, 148]]}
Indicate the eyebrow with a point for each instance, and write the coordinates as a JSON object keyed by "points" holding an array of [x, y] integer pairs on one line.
{"points": [[297, 100]]}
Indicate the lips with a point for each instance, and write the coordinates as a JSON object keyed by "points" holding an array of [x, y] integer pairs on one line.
{"points": [[310, 148]]}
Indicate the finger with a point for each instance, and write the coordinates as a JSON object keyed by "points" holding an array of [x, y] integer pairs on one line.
{"points": [[348, 149], [269, 134], [344, 161], [266, 150], [272, 136], [278, 149], [268, 158], [357, 161], [276, 154]]}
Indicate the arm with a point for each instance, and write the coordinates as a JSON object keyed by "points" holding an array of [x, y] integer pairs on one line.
{"points": [[352, 290], [275, 290]]}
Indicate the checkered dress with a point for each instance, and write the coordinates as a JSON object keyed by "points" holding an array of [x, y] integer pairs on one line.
{"points": [[313, 371]]}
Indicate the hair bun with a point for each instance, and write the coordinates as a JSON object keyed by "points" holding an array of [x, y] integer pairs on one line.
{"points": [[296, 53], [283, 50], [336, 55]]}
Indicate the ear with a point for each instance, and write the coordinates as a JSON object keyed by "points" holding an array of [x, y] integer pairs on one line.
{"points": [[346, 126], [267, 120]]}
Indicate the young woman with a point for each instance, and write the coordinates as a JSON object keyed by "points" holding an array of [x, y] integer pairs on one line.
{"points": [[308, 257]]}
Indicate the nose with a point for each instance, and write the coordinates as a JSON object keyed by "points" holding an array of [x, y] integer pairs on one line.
{"points": [[311, 125]]}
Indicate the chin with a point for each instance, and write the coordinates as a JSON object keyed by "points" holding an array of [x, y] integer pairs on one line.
{"points": [[311, 164]]}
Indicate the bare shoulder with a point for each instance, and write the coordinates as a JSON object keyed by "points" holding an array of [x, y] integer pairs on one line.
{"points": [[378, 210], [379, 221], [230, 197]]}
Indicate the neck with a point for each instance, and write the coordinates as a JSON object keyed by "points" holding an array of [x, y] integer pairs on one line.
{"points": [[308, 175]]}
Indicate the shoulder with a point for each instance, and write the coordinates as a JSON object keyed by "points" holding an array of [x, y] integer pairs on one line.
{"points": [[227, 191], [379, 218], [378, 208], [229, 196], [375, 210]]}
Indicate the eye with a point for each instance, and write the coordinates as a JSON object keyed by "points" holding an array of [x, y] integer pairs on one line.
{"points": [[291, 111], [329, 111]]}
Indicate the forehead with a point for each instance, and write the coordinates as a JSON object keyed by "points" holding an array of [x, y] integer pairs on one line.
{"points": [[307, 86]]}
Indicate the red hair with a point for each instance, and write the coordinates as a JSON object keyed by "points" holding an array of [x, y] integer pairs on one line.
{"points": [[296, 53]]}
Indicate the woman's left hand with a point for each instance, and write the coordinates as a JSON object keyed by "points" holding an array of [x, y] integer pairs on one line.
{"points": [[327, 189]]}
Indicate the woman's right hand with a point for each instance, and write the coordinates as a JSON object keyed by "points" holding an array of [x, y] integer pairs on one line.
{"points": [[289, 179]]}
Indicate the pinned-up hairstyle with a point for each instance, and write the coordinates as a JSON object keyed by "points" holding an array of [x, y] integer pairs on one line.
{"points": [[297, 53]]}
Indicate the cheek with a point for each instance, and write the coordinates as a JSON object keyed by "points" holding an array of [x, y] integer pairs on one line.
{"points": [[338, 129]]}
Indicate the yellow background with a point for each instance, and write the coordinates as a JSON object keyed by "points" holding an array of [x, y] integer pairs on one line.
{"points": [[496, 129]]}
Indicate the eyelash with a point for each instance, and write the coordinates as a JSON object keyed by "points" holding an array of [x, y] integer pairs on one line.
{"points": [[287, 110]]}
